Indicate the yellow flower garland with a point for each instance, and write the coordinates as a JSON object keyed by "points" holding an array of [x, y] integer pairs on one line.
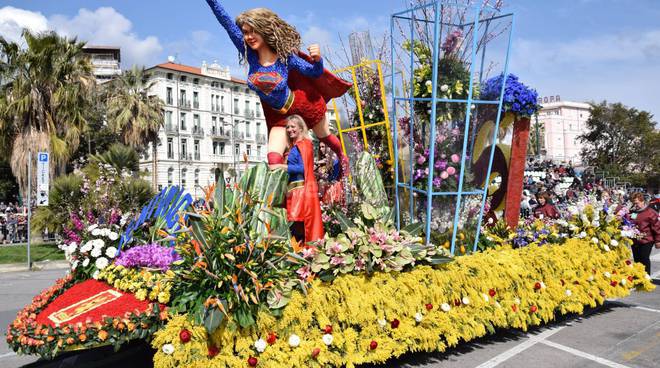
{"points": [[145, 284], [502, 288]]}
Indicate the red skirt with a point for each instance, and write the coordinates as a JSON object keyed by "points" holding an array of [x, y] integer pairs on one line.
{"points": [[309, 104]]}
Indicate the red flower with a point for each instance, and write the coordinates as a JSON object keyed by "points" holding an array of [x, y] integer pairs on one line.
{"points": [[271, 338], [213, 351], [537, 285], [630, 278], [628, 262], [457, 302], [252, 361], [562, 282], [613, 283], [373, 345], [328, 329], [514, 307], [491, 292], [533, 309], [576, 282], [316, 352], [185, 336], [395, 323], [429, 306]]}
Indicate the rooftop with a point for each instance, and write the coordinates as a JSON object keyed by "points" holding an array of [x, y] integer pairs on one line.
{"points": [[191, 70]]}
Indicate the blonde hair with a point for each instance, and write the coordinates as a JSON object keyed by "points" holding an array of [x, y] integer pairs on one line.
{"points": [[304, 132], [279, 35]]}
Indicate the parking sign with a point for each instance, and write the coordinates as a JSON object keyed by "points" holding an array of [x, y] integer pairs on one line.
{"points": [[42, 178]]}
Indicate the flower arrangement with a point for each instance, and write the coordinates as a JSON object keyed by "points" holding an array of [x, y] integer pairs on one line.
{"points": [[149, 256], [518, 98], [89, 246], [26, 335], [144, 283], [373, 318]]}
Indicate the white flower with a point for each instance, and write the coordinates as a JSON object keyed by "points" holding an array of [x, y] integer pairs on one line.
{"points": [[614, 243], [445, 307], [490, 220], [572, 227], [607, 249], [418, 317], [465, 300], [607, 274], [486, 299], [647, 276], [87, 246], [594, 240], [85, 262], [72, 247], [562, 222], [294, 340], [123, 220], [542, 285], [582, 235], [98, 243], [591, 278], [113, 235], [444, 88], [96, 252], [111, 252], [428, 83], [382, 323], [101, 263], [260, 345], [95, 275], [516, 301], [624, 282], [541, 216], [92, 227], [327, 339], [97, 232], [596, 223], [168, 349], [74, 265], [568, 292]]}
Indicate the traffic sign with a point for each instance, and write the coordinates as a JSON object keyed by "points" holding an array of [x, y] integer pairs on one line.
{"points": [[42, 178]]}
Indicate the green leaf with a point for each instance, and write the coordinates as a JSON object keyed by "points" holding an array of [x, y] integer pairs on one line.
{"points": [[219, 195], [413, 229], [437, 260], [214, 318], [198, 232], [344, 222]]}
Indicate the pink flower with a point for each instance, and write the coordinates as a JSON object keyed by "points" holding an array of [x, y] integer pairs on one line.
{"points": [[455, 158], [335, 248], [455, 131], [304, 272], [336, 261], [308, 253], [421, 159], [444, 175], [451, 170]]}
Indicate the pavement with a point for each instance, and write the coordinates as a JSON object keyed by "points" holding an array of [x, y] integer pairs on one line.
{"points": [[621, 333]]}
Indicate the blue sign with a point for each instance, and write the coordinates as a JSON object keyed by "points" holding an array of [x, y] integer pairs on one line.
{"points": [[167, 204], [43, 157]]}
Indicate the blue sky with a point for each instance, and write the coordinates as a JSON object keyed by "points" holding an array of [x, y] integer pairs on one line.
{"points": [[580, 49]]}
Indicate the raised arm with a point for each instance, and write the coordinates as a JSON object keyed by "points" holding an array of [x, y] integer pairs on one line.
{"points": [[235, 33], [307, 69]]}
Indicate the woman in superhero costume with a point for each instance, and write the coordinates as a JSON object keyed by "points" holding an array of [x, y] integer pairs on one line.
{"points": [[302, 201], [287, 81]]}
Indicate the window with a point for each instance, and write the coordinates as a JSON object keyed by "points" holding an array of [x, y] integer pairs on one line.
{"points": [[237, 149], [215, 148], [236, 106], [221, 103], [222, 148], [168, 98], [183, 78], [247, 107], [196, 177], [184, 148], [258, 129], [195, 99], [170, 176], [222, 85], [248, 150], [196, 149], [214, 124], [168, 120], [184, 173], [247, 129], [258, 151], [212, 102], [195, 80], [170, 76], [196, 124], [170, 148], [183, 121], [258, 110]]}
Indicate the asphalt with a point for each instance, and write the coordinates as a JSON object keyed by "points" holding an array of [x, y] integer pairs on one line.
{"points": [[621, 333]]}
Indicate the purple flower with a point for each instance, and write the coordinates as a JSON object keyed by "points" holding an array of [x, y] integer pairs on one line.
{"points": [[441, 165], [150, 255]]}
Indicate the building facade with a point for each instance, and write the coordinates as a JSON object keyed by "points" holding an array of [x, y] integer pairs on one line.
{"points": [[213, 124], [105, 61], [562, 122]]}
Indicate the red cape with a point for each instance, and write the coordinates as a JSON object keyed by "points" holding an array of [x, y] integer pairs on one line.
{"points": [[303, 204], [328, 85]]}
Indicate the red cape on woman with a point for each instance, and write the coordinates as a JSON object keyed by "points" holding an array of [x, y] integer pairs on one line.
{"points": [[303, 204]]}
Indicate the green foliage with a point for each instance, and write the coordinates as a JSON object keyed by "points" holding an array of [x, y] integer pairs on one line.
{"points": [[120, 157], [622, 141]]}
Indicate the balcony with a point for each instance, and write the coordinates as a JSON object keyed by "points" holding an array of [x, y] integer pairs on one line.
{"points": [[220, 133], [197, 156], [195, 104], [171, 129], [184, 104], [249, 113], [261, 138], [198, 132], [249, 136], [238, 134], [222, 157], [185, 157]]}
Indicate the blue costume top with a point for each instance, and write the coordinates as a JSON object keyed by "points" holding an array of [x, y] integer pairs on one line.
{"points": [[269, 82], [296, 168]]}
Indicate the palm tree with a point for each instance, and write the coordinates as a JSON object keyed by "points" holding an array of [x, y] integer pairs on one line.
{"points": [[134, 114], [120, 157], [44, 100]]}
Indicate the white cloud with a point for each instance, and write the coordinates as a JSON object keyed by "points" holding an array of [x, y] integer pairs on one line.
{"points": [[14, 20], [103, 26], [318, 35]]}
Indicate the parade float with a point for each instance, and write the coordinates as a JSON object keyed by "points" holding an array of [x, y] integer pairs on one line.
{"points": [[433, 266]]}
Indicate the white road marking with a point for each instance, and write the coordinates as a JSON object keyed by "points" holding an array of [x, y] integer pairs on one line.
{"points": [[584, 355], [647, 309], [533, 339]]}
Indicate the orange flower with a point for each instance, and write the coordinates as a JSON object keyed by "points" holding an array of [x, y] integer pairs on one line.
{"points": [[103, 335], [70, 341], [163, 315], [50, 338], [82, 337], [60, 342], [121, 326], [131, 326]]}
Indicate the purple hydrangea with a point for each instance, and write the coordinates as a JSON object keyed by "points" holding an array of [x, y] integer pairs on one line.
{"points": [[150, 255]]}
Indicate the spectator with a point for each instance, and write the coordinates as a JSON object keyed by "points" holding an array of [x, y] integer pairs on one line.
{"points": [[646, 220], [545, 209]]}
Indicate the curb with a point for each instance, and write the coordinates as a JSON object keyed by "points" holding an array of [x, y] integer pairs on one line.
{"points": [[36, 266]]}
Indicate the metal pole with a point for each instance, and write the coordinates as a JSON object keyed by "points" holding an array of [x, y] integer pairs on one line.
{"points": [[538, 142], [29, 209]]}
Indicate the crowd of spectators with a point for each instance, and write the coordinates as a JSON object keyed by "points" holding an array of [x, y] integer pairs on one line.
{"points": [[13, 223]]}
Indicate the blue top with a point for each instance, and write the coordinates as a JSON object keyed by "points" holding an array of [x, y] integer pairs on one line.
{"points": [[269, 82], [295, 165]]}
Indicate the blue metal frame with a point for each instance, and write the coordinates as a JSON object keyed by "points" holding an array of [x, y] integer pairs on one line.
{"points": [[409, 15]]}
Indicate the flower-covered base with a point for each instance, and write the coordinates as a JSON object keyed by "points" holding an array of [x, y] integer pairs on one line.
{"points": [[361, 319]]}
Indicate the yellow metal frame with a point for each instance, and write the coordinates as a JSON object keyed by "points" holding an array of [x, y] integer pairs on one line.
{"points": [[353, 69]]}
